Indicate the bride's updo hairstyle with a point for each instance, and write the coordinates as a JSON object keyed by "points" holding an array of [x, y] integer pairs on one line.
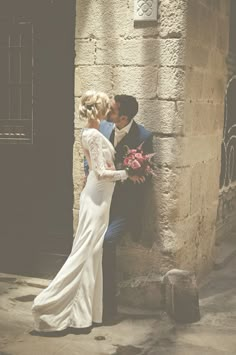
{"points": [[94, 105]]}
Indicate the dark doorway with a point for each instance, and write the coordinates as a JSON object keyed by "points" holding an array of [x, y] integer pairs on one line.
{"points": [[36, 132]]}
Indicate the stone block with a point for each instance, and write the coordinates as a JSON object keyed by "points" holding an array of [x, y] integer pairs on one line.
{"points": [[193, 20], [216, 61], [172, 52], [222, 39], [198, 148], [210, 216], [203, 117], [207, 19], [93, 77], [213, 88], [181, 296], [98, 19], [127, 51], [186, 231], [204, 256], [211, 185], [171, 83], [172, 18], [186, 255], [134, 260], [141, 292], [164, 117], [194, 84], [168, 151], [197, 192], [184, 194], [138, 81], [85, 52], [219, 117], [173, 190], [196, 54]]}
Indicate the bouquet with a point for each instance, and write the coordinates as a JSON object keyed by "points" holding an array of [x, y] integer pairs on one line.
{"points": [[137, 163]]}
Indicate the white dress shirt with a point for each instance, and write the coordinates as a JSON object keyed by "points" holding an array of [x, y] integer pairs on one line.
{"points": [[121, 133]]}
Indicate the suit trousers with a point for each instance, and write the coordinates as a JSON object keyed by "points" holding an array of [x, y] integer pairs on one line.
{"points": [[117, 227]]}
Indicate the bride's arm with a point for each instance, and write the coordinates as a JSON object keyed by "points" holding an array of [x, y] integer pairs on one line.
{"points": [[97, 160]]}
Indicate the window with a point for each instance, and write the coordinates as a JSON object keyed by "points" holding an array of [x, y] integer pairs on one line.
{"points": [[16, 81]]}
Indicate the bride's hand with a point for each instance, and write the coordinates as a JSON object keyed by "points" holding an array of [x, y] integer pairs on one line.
{"points": [[110, 166]]}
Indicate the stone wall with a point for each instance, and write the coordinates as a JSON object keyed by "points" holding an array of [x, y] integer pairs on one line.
{"points": [[205, 77], [176, 69], [146, 60]]}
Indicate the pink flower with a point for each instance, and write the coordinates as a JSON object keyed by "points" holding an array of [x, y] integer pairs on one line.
{"points": [[131, 156], [140, 146], [133, 151], [139, 157], [127, 162], [135, 164]]}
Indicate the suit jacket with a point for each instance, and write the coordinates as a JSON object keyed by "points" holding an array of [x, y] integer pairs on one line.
{"points": [[128, 198]]}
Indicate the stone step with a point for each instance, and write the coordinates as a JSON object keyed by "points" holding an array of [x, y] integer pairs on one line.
{"points": [[224, 252], [141, 292]]}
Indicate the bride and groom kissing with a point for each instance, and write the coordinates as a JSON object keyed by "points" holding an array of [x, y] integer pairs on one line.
{"points": [[83, 292]]}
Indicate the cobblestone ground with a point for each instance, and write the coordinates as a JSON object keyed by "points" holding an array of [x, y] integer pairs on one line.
{"points": [[139, 334]]}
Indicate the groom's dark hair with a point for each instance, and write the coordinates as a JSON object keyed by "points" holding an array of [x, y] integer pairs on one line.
{"points": [[128, 105]]}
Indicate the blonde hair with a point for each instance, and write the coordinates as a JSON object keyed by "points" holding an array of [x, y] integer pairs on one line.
{"points": [[94, 105]]}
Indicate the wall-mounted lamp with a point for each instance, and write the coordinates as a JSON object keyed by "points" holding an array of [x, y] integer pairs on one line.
{"points": [[145, 10]]}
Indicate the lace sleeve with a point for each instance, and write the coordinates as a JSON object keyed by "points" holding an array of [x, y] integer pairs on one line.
{"points": [[98, 163]]}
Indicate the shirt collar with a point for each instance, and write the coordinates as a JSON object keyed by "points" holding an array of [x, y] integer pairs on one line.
{"points": [[125, 129]]}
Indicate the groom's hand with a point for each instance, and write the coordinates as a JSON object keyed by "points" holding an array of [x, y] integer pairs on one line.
{"points": [[137, 179]]}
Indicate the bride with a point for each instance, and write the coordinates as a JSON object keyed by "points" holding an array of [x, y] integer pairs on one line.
{"points": [[74, 297]]}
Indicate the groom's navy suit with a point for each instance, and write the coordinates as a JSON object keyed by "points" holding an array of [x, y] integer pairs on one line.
{"points": [[126, 208]]}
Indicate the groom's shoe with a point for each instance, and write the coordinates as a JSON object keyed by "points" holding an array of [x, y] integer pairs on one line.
{"points": [[78, 331]]}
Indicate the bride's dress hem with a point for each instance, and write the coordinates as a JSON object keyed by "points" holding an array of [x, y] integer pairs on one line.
{"points": [[47, 330]]}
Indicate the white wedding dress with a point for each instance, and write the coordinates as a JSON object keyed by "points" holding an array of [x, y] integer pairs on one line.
{"points": [[74, 297]]}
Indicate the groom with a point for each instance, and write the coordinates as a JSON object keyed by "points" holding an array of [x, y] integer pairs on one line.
{"points": [[127, 201]]}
